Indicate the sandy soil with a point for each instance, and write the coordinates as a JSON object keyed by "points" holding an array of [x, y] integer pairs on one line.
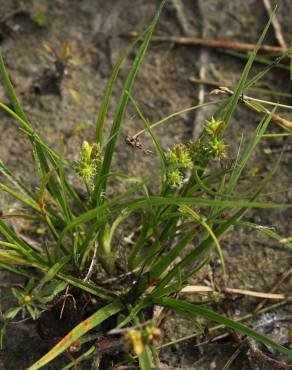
{"points": [[93, 30]]}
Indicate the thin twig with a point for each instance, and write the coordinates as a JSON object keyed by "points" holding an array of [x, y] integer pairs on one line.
{"points": [[93, 263], [64, 302], [197, 289], [255, 294], [232, 358], [276, 286], [276, 24], [217, 44], [257, 356]]}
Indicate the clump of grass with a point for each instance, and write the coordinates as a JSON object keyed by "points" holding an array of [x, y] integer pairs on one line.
{"points": [[191, 204]]}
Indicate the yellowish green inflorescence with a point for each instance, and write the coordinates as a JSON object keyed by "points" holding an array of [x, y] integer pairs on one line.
{"points": [[193, 155], [90, 161]]}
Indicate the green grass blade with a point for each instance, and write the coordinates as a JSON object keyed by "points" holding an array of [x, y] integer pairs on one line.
{"points": [[16, 182], [85, 326], [14, 269], [100, 123], [90, 288], [164, 261], [146, 232], [42, 163], [207, 243], [29, 131], [241, 84], [200, 220], [12, 256], [99, 212], [11, 92], [178, 113], [264, 230], [63, 187], [185, 307], [200, 202], [82, 357], [145, 359], [105, 241], [21, 245], [143, 202], [23, 199], [42, 152], [249, 149], [101, 179], [270, 65], [156, 142], [52, 272], [88, 243]]}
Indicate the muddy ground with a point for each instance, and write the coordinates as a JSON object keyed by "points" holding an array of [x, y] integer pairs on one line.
{"points": [[57, 106]]}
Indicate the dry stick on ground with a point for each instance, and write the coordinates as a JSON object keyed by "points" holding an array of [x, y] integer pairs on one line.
{"points": [[255, 356], [276, 24], [233, 356], [64, 303], [279, 365], [92, 264], [276, 286], [205, 289], [218, 44]]}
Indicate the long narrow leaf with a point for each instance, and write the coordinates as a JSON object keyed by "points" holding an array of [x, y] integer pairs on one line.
{"points": [[141, 203], [22, 198], [11, 92], [23, 247], [18, 183], [207, 243], [108, 92], [184, 307], [197, 218], [14, 269], [249, 149], [241, 84], [154, 137], [94, 320], [101, 179]]}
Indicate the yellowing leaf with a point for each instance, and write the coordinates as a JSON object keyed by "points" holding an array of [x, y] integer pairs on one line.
{"points": [[66, 51], [48, 47], [75, 95]]}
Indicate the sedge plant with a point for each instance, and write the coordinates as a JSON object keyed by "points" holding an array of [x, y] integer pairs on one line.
{"points": [[177, 227]]}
